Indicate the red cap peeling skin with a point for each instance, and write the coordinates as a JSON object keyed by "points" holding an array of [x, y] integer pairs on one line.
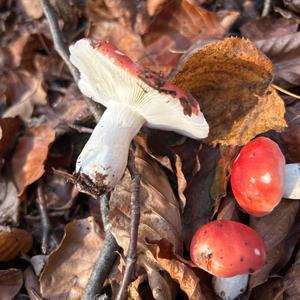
{"points": [[109, 50], [226, 248], [153, 79], [257, 177]]}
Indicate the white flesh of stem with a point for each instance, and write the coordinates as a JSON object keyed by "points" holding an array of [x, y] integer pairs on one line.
{"points": [[230, 288], [292, 181], [104, 157]]}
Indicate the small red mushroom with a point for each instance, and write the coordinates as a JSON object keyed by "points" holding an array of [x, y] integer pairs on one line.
{"points": [[257, 177], [226, 248]]}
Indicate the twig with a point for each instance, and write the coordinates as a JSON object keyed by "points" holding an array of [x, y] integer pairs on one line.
{"points": [[46, 225], [282, 90], [63, 51], [106, 257], [267, 8], [134, 226]]}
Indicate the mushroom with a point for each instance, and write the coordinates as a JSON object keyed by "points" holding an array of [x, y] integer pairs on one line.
{"points": [[227, 248], [134, 96], [292, 181], [230, 288], [257, 177]]}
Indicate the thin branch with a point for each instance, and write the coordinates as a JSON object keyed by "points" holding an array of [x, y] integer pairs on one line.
{"points": [[267, 8], [58, 39], [106, 257], [63, 51], [46, 225], [134, 227]]}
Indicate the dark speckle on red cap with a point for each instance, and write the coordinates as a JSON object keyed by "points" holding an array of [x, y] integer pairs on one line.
{"points": [[153, 79]]}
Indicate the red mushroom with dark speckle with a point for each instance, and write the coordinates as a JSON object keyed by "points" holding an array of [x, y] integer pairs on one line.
{"points": [[226, 248]]}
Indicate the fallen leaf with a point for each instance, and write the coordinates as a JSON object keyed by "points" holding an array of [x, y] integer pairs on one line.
{"points": [[69, 266], [13, 242], [9, 203], [268, 27], [32, 284], [11, 281], [291, 137], [32, 9], [284, 53], [160, 217], [180, 272], [231, 79], [24, 91], [291, 280], [30, 156], [177, 25], [199, 203], [271, 290], [273, 228], [9, 128], [293, 5]]}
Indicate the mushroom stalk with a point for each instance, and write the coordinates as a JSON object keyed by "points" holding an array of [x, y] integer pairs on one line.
{"points": [[292, 181], [230, 288], [104, 157]]}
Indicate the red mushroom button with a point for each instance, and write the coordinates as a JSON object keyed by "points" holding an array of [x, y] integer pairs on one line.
{"points": [[257, 177], [226, 248]]}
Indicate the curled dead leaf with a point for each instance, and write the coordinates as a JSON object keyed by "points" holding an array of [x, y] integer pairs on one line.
{"points": [[160, 217], [11, 281], [30, 156], [231, 79], [13, 242], [69, 266], [177, 25], [178, 270], [273, 228]]}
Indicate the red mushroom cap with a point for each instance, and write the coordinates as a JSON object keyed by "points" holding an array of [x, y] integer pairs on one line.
{"points": [[257, 177], [226, 248]]}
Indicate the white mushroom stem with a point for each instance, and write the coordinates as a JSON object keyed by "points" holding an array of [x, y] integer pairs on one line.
{"points": [[104, 157], [230, 288], [292, 181]]}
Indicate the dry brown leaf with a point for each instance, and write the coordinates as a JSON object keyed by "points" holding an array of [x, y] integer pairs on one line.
{"points": [[273, 228], [291, 280], [11, 281], [9, 128], [268, 27], [68, 268], [30, 156], [9, 203], [32, 284], [180, 272], [293, 5], [24, 91], [13, 242], [231, 79], [177, 25], [199, 203], [284, 53], [160, 217], [291, 137], [32, 8], [271, 290]]}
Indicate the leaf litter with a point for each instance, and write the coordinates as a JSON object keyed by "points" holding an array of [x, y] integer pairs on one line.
{"points": [[184, 182]]}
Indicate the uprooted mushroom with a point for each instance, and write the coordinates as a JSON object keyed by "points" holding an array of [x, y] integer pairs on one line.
{"points": [[134, 96]]}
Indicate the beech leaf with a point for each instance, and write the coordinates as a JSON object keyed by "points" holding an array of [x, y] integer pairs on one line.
{"points": [[231, 79]]}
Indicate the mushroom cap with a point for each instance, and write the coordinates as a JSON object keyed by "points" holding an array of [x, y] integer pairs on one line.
{"points": [[226, 248], [108, 76], [257, 177]]}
